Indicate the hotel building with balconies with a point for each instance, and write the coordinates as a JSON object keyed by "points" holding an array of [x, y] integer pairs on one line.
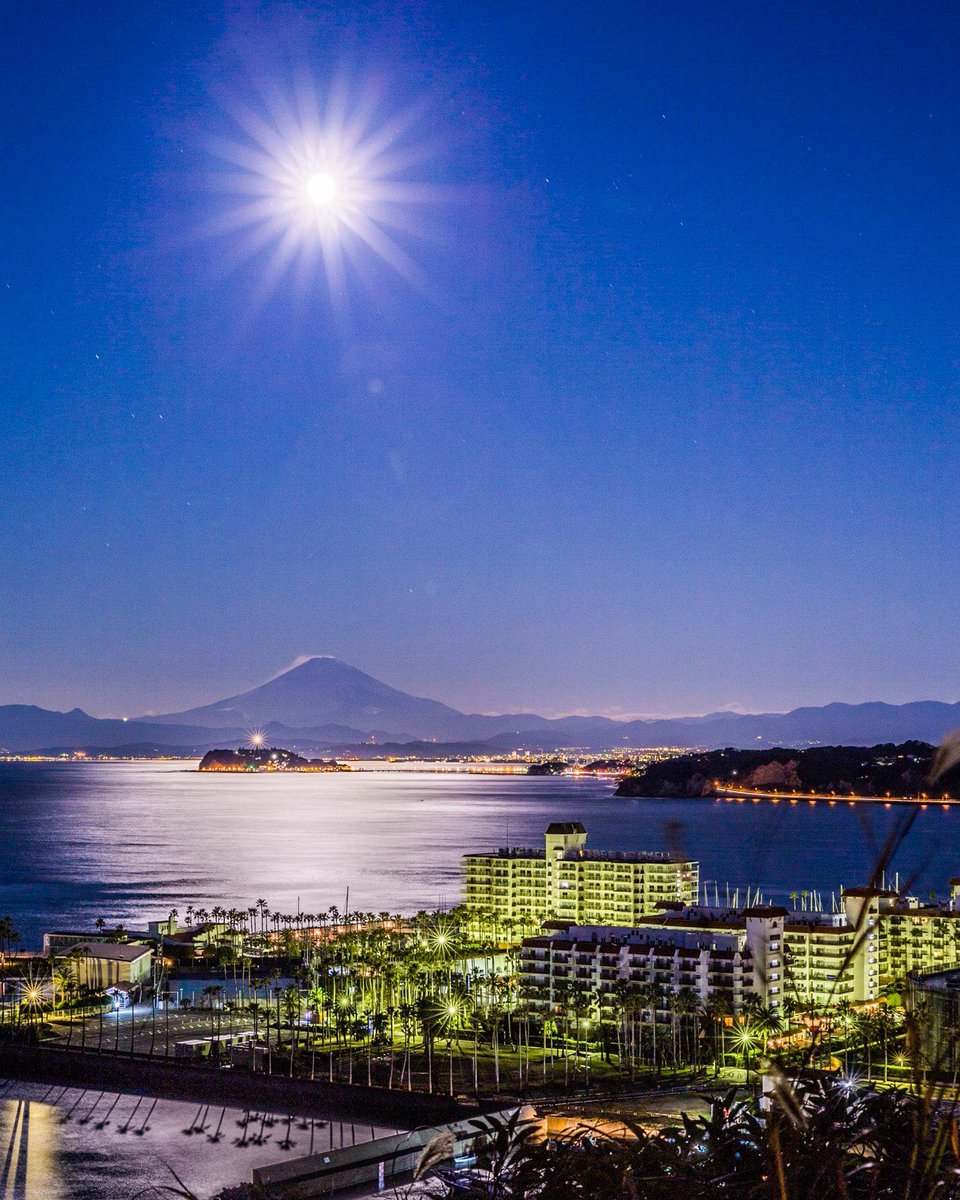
{"points": [[814, 959], [566, 881]]}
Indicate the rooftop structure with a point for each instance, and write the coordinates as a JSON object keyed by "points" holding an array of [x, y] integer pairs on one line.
{"points": [[62, 939]]}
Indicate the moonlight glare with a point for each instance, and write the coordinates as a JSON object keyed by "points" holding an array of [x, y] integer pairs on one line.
{"points": [[322, 189], [312, 187]]}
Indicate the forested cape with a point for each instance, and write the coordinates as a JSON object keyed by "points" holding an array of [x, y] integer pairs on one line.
{"points": [[897, 770]]}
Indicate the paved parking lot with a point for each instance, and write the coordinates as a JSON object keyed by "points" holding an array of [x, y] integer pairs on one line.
{"points": [[143, 1029]]}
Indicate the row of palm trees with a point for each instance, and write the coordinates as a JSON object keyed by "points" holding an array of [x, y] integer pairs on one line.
{"points": [[367, 981], [452, 975]]}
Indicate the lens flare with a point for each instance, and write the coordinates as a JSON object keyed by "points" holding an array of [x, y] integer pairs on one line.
{"points": [[317, 179]]}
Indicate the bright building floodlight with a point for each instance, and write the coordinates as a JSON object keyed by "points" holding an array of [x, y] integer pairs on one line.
{"points": [[257, 739]]}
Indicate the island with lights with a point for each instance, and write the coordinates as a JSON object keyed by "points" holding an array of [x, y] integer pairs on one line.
{"points": [[259, 758]]}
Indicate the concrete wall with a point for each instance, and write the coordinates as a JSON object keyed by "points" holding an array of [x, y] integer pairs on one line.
{"points": [[322, 1174]]}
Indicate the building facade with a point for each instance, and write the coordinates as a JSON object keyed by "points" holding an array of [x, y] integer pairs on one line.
{"points": [[566, 881], [934, 1000], [101, 965], [608, 964], [859, 954]]}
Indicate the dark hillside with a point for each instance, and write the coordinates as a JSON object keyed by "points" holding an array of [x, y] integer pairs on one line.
{"points": [[900, 770]]}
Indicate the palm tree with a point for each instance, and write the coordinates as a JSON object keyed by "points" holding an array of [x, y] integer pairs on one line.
{"points": [[746, 1038], [717, 1011], [685, 1006], [885, 1025], [72, 992], [765, 1020], [844, 1019], [82, 991], [582, 1003], [864, 1023], [213, 993], [8, 936], [651, 997], [63, 977], [292, 1005]]}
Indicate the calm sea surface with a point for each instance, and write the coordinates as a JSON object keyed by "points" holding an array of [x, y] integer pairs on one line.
{"points": [[131, 841]]}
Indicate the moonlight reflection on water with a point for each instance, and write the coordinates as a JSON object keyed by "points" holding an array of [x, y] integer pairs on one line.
{"points": [[131, 841], [63, 1143]]}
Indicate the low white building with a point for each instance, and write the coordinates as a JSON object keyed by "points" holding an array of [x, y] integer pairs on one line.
{"points": [[100, 965]]}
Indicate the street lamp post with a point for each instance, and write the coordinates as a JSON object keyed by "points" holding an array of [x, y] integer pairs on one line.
{"points": [[747, 1040]]}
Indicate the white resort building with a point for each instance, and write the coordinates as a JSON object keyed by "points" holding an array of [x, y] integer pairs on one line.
{"points": [[566, 881], [858, 954]]}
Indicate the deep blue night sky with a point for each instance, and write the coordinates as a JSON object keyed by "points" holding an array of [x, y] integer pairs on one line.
{"points": [[669, 421]]}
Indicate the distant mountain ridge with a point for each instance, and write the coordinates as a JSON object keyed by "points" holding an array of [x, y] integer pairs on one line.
{"points": [[864, 724], [323, 703]]}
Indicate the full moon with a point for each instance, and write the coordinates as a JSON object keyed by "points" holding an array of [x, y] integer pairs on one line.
{"points": [[308, 187], [321, 188]]}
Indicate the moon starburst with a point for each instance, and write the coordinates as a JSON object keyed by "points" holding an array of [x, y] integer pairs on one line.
{"points": [[313, 182]]}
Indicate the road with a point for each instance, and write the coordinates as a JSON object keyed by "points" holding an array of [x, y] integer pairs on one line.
{"points": [[756, 794], [142, 1029]]}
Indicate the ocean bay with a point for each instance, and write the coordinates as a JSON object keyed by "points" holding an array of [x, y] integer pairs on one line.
{"points": [[132, 841]]}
